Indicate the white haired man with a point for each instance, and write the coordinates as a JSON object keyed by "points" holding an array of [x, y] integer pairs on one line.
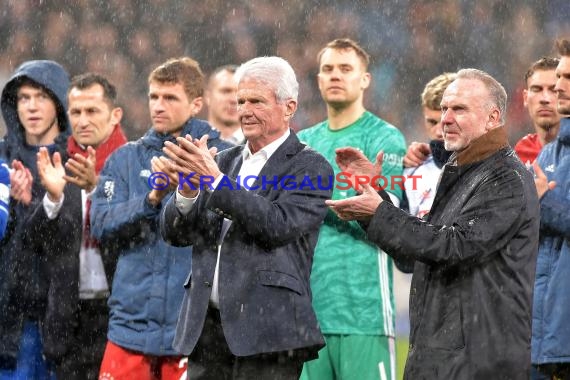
{"points": [[247, 312]]}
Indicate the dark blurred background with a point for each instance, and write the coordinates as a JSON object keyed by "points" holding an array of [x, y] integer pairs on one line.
{"points": [[410, 41]]}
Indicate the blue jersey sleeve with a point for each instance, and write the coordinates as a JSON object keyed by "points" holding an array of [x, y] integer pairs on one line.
{"points": [[4, 197]]}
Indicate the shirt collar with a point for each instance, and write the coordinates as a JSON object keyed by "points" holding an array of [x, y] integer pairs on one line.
{"points": [[268, 150]]}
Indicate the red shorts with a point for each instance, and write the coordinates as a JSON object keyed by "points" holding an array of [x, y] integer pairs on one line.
{"points": [[123, 364]]}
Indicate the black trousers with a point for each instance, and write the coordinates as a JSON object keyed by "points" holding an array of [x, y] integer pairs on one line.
{"points": [[83, 360], [558, 371], [213, 360]]}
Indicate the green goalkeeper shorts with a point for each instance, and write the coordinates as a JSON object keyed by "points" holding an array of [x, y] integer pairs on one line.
{"points": [[353, 357]]}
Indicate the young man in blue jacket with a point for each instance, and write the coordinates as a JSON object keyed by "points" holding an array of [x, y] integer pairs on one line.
{"points": [[550, 355], [34, 105], [147, 288]]}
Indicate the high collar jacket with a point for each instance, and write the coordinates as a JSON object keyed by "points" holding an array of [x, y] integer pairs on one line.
{"points": [[471, 293]]}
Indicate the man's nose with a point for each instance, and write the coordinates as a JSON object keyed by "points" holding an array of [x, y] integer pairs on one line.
{"points": [[547, 96], [157, 105], [335, 74], [32, 103], [446, 118], [83, 120], [244, 109]]}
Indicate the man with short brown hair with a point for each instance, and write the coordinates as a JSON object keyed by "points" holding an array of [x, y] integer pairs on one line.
{"points": [[540, 99], [148, 283], [221, 100], [75, 321], [551, 308], [352, 280]]}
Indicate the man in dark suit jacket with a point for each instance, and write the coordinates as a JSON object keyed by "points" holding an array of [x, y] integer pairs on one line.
{"points": [[247, 311]]}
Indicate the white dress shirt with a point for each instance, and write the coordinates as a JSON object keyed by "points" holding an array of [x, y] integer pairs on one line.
{"points": [[251, 166], [92, 279]]}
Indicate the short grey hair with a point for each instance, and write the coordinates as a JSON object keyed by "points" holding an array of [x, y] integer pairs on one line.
{"points": [[497, 92], [273, 71]]}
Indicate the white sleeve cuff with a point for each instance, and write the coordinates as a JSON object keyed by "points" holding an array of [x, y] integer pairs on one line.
{"points": [[52, 208], [183, 204]]}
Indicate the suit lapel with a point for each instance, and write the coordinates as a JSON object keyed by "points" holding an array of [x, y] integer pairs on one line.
{"points": [[231, 164]]}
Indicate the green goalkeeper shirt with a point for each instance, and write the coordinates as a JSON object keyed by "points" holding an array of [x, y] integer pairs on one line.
{"points": [[352, 279]]}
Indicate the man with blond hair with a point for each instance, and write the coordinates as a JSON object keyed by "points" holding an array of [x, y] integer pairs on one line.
{"points": [[421, 192]]}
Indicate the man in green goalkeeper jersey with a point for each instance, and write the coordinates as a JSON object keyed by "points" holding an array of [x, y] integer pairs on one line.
{"points": [[351, 278]]}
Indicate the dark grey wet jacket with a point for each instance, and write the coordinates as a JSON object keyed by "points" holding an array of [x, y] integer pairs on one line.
{"points": [[471, 294]]}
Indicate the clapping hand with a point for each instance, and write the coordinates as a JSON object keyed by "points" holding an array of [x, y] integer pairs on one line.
{"points": [[541, 181], [21, 181], [354, 163], [83, 170], [51, 174]]}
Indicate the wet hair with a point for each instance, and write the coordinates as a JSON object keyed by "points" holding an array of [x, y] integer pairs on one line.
{"points": [[25, 81], [563, 47], [543, 64], [185, 71], [346, 44], [274, 72], [84, 81], [497, 93], [229, 68], [434, 89]]}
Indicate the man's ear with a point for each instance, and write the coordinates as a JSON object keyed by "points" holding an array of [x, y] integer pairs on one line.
{"points": [[290, 108], [525, 98], [365, 81], [196, 105], [494, 119], [116, 115]]}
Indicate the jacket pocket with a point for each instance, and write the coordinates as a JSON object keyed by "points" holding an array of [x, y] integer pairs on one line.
{"points": [[280, 280], [442, 321]]}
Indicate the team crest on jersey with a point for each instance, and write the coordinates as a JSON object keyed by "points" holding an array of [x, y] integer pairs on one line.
{"points": [[109, 189]]}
